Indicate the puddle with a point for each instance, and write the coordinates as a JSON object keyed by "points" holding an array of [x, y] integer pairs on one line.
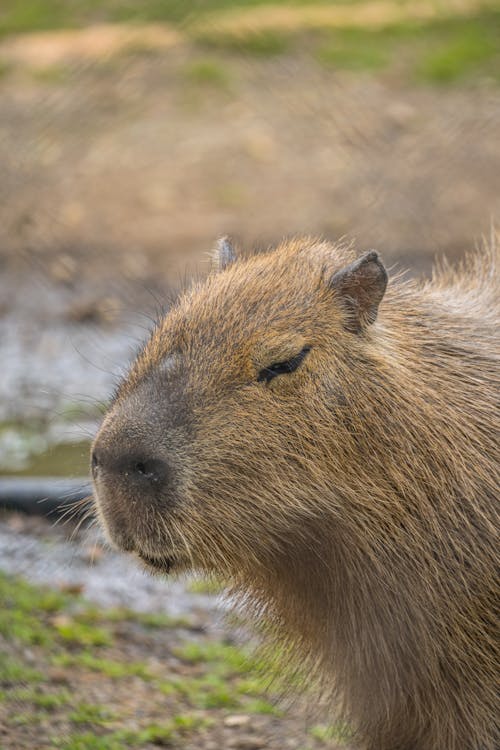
{"points": [[58, 450], [63, 460]]}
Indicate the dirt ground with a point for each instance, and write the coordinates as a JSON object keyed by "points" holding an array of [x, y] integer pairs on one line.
{"points": [[94, 674], [130, 165]]}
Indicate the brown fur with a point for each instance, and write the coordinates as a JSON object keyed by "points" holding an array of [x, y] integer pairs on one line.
{"points": [[353, 502]]}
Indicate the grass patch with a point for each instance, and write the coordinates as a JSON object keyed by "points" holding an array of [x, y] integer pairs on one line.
{"points": [[223, 659], [5, 69], [266, 43], [204, 692], [467, 49], [207, 73], [15, 672], [90, 713], [80, 634], [18, 16], [152, 620], [338, 732], [89, 741], [33, 615], [229, 679], [442, 51], [155, 620], [25, 608], [166, 734], [108, 667], [25, 450], [205, 586], [47, 701], [354, 49]]}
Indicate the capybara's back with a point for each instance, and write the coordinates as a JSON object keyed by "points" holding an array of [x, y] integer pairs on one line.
{"points": [[331, 449]]}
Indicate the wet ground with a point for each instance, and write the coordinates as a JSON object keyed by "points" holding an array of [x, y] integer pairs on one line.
{"points": [[49, 552]]}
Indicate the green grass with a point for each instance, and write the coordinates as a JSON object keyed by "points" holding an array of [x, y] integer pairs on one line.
{"points": [[444, 51], [32, 614], [17, 16], [53, 75], [26, 450], [89, 713], [207, 72], [467, 48], [5, 69], [222, 658], [107, 667], [166, 734], [15, 672], [92, 615], [89, 741], [268, 43], [354, 49], [205, 586], [23, 609], [49, 701], [339, 732], [79, 633]]}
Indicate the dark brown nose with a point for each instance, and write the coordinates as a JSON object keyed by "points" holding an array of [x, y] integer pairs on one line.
{"points": [[133, 467]]}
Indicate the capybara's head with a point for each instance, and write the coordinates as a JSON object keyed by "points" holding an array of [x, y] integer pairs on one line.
{"points": [[235, 414]]}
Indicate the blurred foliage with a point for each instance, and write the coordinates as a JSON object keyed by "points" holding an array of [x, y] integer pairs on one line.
{"points": [[440, 50], [29, 15], [207, 72], [265, 43]]}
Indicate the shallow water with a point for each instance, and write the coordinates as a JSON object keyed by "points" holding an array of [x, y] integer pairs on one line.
{"points": [[58, 460]]}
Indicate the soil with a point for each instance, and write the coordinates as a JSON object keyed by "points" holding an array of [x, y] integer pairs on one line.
{"points": [[176, 677]]}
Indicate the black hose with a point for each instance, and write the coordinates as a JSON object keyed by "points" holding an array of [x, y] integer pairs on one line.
{"points": [[42, 495]]}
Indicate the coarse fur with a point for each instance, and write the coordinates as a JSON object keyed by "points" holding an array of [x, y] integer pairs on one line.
{"points": [[351, 502]]}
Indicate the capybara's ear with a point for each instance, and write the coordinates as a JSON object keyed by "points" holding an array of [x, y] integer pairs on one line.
{"points": [[359, 288], [224, 254]]}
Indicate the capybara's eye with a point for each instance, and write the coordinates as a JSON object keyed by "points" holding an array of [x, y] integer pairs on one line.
{"points": [[278, 368]]}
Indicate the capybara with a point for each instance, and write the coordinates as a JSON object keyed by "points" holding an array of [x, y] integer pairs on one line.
{"points": [[330, 448]]}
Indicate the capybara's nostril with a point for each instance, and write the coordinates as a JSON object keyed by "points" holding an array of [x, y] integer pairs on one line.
{"points": [[145, 469], [130, 466], [153, 470]]}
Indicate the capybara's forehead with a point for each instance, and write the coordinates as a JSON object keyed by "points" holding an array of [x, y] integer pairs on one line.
{"points": [[255, 301], [266, 289]]}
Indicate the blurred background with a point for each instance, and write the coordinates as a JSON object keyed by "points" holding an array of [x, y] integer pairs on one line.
{"points": [[132, 135]]}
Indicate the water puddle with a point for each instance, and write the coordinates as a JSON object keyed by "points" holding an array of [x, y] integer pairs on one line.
{"points": [[30, 451]]}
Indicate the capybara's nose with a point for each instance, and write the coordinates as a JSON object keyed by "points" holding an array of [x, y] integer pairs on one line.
{"points": [[135, 467]]}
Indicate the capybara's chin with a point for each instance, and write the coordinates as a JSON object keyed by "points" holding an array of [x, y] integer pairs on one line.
{"points": [[328, 443]]}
